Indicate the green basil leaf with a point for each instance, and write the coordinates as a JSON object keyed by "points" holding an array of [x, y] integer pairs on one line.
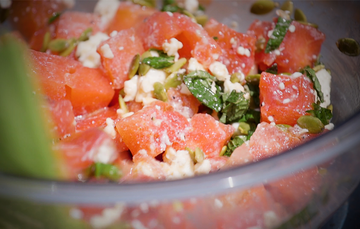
{"points": [[159, 62], [321, 113], [200, 84], [310, 73], [171, 6], [233, 144], [278, 34], [273, 69], [55, 16], [234, 106]]}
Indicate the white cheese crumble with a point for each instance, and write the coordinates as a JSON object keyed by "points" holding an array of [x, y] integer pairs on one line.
{"points": [[4, 4], [191, 5], [108, 216], [270, 219], [329, 126], [229, 86], [295, 75], [292, 28], [113, 33], [285, 101], [106, 51], [243, 51], [76, 213], [130, 88], [106, 9], [86, 50], [281, 86], [271, 118], [325, 80], [277, 52], [171, 49], [203, 167], [178, 164], [68, 3], [146, 82], [219, 70], [194, 65], [110, 128], [106, 153], [218, 203]]}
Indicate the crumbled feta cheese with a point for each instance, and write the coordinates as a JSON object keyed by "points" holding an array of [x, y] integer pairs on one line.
{"points": [[146, 82], [281, 86], [171, 49], [106, 9], [218, 203], [108, 216], [292, 28], [136, 224], [286, 101], [271, 118], [203, 167], [229, 86], [329, 126], [110, 128], [4, 4], [194, 65], [178, 164], [86, 50], [76, 213], [191, 5], [113, 33], [106, 51], [130, 88], [219, 70], [277, 52], [325, 80], [270, 33], [296, 75], [106, 153], [243, 51], [270, 219]]}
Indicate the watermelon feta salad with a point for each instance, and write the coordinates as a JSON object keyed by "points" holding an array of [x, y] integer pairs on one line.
{"points": [[136, 94]]}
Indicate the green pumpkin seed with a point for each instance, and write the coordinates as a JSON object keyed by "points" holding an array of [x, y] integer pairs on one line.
{"points": [[260, 44], [201, 19], [235, 77], [283, 127], [85, 35], [262, 7], [299, 16], [173, 80], [58, 45], [223, 150], [311, 123], [310, 24], [122, 104], [46, 41], [191, 153], [143, 69], [288, 6], [348, 46], [190, 15], [160, 92], [330, 107], [318, 67], [244, 128], [72, 44], [176, 66], [199, 155], [134, 66], [148, 3], [253, 78]]}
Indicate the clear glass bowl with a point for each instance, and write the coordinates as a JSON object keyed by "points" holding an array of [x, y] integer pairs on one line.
{"points": [[278, 192]]}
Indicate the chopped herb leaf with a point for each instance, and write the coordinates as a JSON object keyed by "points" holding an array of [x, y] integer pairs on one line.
{"points": [[171, 6], [202, 85], [201, 7], [321, 113], [273, 69], [278, 34], [55, 16], [215, 38], [254, 94], [310, 73], [159, 62], [233, 144], [234, 106], [108, 171]]}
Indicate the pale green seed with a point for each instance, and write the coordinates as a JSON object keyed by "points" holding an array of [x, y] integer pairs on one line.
{"points": [[253, 78], [348, 46], [46, 41], [260, 44], [134, 66], [288, 6], [191, 153], [235, 77], [283, 127], [58, 45], [144, 68], [310, 24], [311, 123], [160, 92], [201, 19], [244, 128], [318, 67], [299, 16], [199, 155], [190, 15], [330, 107], [147, 3], [176, 66], [223, 150], [70, 48], [262, 7], [85, 35], [173, 80], [122, 104]]}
